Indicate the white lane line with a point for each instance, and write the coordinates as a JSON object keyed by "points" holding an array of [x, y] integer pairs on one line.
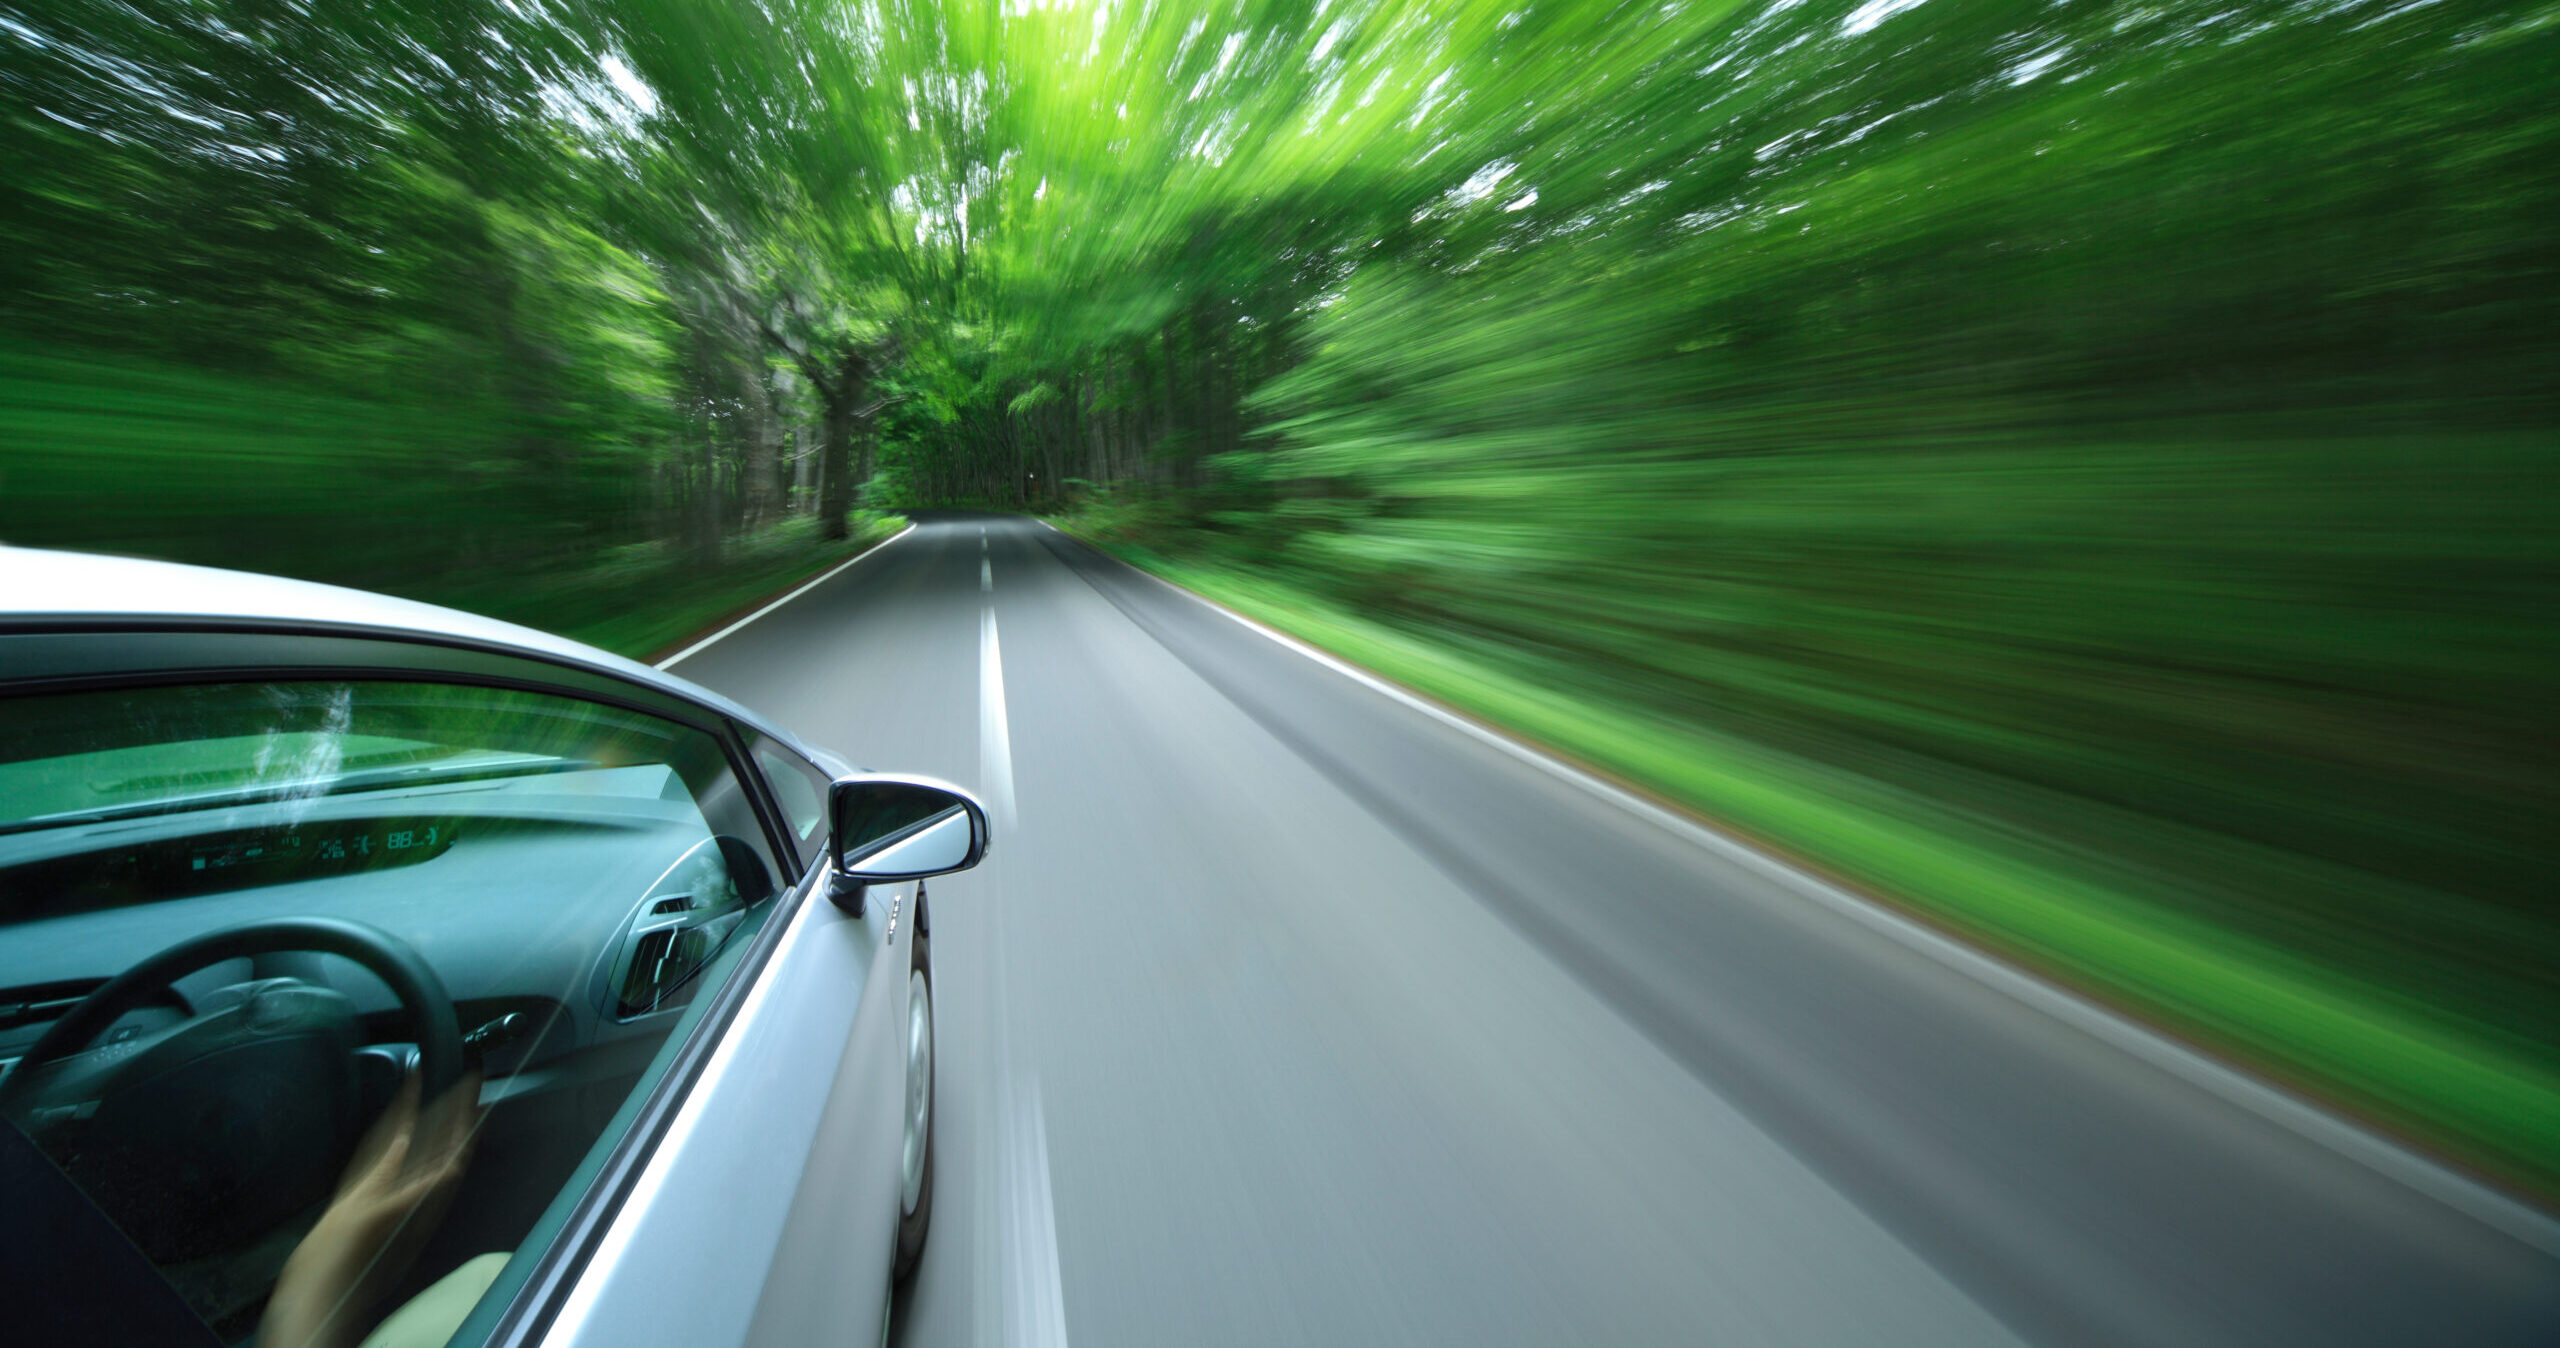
{"points": [[986, 577], [2305, 1118], [1016, 1271], [696, 647], [1036, 1308], [995, 733]]}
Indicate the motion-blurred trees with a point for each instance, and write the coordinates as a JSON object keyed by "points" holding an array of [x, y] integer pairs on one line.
{"points": [[364, 292], [2130, 423], [2129, 428]]}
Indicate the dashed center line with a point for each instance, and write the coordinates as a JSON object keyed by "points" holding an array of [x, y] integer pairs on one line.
{"points": [[1035, 1307], [995, 734]]}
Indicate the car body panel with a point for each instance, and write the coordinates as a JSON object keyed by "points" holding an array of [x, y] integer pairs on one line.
{"points": [[117, 591], [93, 595], [752, 1192], [697, 1253], [843, 1217]]}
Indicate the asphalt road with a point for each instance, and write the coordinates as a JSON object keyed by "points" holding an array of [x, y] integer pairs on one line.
{"points": [[1288, 1012]]}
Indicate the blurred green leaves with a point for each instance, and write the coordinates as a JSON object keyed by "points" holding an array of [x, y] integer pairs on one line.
{"points": [[2113, 447], [2112, 442]]}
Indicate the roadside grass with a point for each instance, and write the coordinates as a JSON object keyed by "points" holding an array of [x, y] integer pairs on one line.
{"points": [[2083, 905], [648, 600]]}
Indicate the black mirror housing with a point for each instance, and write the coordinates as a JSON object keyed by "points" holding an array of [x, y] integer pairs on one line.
{"points": [[888, 828]]}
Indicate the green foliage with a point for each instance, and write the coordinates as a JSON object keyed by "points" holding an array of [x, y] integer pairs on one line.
{"points": [[402, 298], [2108, 446], [158, 460], [2111, 447]]}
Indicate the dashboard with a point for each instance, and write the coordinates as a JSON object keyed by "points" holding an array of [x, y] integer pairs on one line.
{"points": [[571, 918]]}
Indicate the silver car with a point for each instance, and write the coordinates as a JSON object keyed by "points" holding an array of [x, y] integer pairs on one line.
{"points": [[372, 973]]}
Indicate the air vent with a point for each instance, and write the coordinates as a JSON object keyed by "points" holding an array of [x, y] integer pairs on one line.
{"points": [[681, 903], [660, 961]]}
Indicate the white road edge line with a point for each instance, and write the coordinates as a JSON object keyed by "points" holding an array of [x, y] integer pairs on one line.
{"points": [[2316, 1122], [995, 730], [696, 648]]}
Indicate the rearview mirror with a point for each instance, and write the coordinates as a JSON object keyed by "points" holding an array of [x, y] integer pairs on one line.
{"points": [[903, 828]]}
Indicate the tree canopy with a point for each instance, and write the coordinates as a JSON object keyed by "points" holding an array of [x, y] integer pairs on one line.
{"points": [[1016, 244]]}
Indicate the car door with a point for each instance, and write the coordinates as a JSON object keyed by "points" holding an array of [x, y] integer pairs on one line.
{"points": [[768, 1212], [684, 1058]]}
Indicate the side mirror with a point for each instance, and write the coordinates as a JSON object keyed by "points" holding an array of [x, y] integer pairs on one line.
{"points": [[890, 828]]}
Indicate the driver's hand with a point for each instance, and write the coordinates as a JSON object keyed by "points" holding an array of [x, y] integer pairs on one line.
{"points": [[388, 1203]]}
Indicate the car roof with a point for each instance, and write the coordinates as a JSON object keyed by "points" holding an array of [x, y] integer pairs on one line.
{"points": [[40, 588]]}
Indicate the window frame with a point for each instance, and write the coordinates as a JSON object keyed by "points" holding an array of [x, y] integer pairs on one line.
{"points": [[74, 656], [755, 738]]}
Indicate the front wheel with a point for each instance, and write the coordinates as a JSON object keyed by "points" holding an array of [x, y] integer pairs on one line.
{"points": [[915, 1194]]}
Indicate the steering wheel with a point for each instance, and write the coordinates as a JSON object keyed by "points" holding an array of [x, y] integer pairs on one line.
{"points": [[202, 1137]]}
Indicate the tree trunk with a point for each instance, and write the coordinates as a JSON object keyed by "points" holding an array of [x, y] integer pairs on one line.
{"points": [[801, 466], [843, 423], [771, 494], [1066, 417], [835, 462], [1107, 466], [1204, 377], [703, 510], [1171, 447]]}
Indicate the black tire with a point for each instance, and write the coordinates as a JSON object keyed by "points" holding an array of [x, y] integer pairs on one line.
{"points": [[914, 1226]]}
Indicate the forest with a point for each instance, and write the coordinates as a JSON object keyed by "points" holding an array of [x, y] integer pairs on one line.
{"points": [[2086, 473]]}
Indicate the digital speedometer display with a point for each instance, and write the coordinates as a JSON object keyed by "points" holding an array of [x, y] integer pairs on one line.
{"points": [[327, 849], [211, 862]]}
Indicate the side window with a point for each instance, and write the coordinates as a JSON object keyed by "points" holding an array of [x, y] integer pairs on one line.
{"points": [[801, 789], [353, 911]]}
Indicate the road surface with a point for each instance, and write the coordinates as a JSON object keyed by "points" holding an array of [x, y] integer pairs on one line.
{"points": [[1287, 1011]]}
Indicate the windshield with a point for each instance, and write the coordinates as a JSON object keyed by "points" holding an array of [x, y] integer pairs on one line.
{"points": [[152, 751], [232, 782]]}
